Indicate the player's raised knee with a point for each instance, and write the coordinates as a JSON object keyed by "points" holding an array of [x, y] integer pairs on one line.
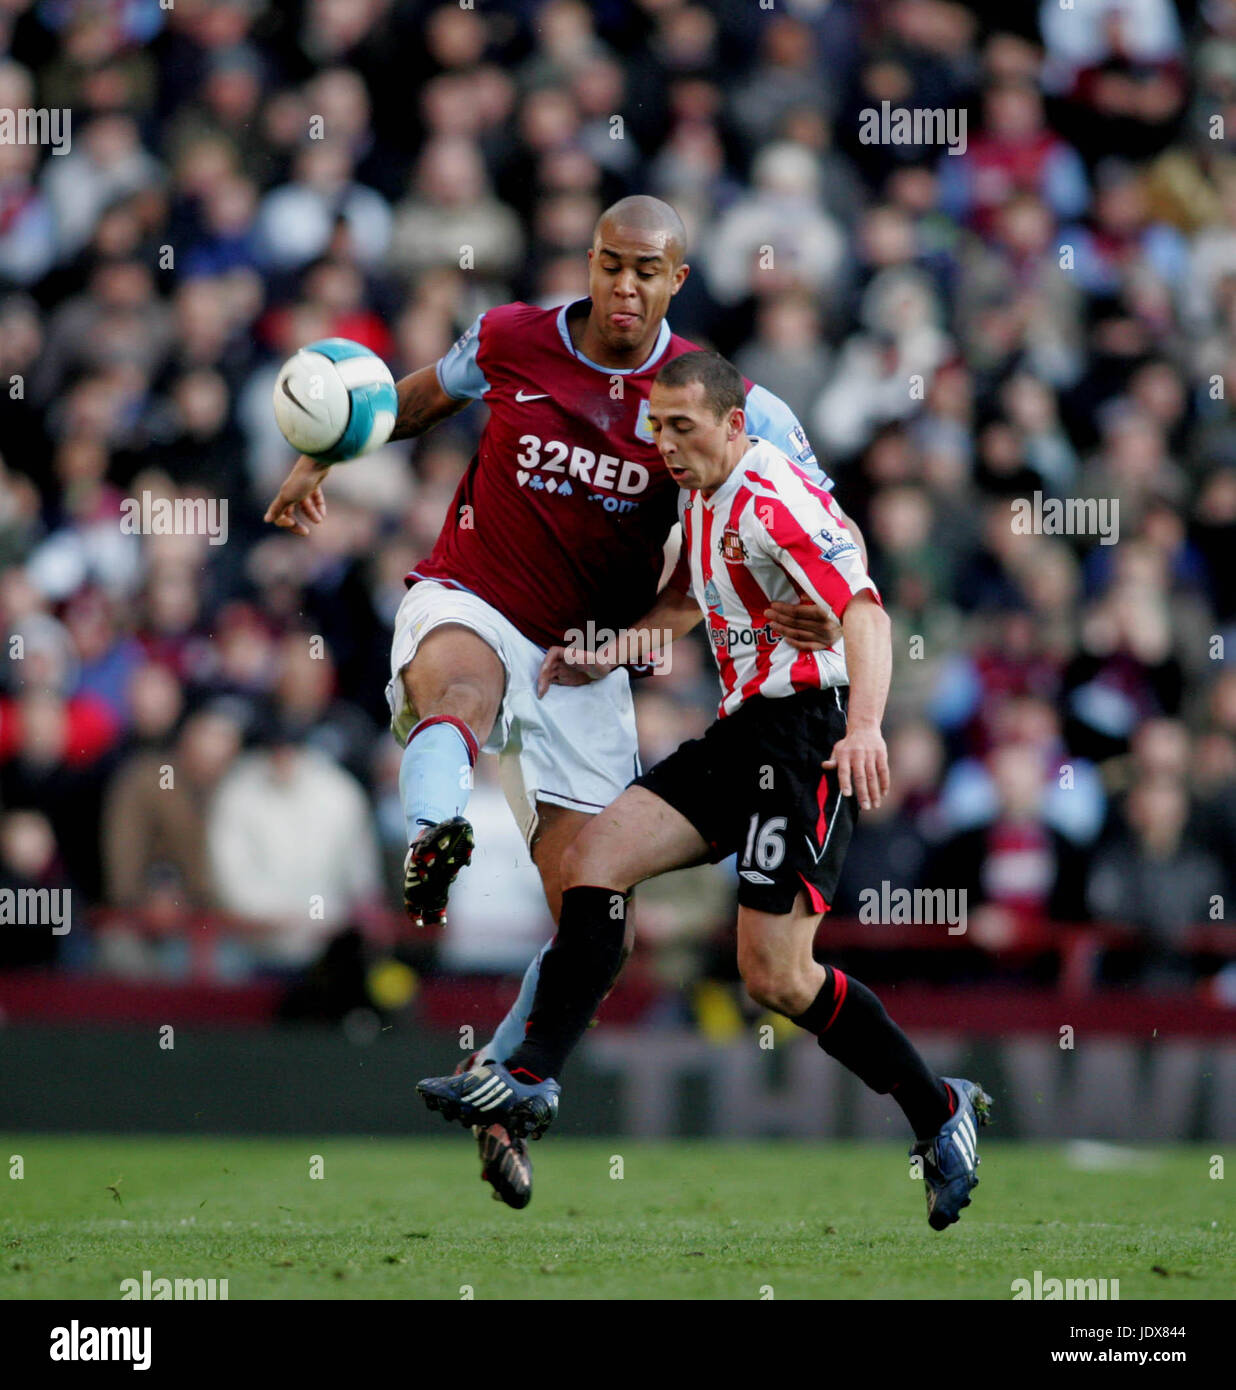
{"points": [[586, 860], [468, 696], [775, 984]]}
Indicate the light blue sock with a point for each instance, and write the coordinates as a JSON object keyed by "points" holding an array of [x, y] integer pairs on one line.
{"points": [[510, 1032], [435, 776]]}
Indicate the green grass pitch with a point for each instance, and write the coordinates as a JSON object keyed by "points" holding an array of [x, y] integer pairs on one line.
{"points": [[686, 1220]]}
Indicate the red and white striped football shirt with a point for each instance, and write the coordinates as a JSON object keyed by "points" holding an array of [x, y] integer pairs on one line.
{"points": [[767, 534]]}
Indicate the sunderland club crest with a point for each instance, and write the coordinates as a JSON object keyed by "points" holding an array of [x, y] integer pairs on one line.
{"points": [[730, 546]]}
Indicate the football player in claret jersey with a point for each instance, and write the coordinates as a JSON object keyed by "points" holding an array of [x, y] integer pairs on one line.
{"points": [[774, 780], [562, 517]]}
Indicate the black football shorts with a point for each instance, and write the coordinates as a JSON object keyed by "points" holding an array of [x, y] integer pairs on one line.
{"points": [[753, 786]]}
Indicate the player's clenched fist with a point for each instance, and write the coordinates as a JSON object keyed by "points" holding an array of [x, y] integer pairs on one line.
{"points": [[302, 488], [861, 760], [570, 666]]}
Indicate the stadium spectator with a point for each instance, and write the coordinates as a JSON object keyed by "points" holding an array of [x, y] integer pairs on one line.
{"points": [[292, 851], [155, 815], [1151, 878], [786, 75], [52, 761], [27, 216], [1013, 151], [452, 218], [320, 205], [29, 859], [1052, 311], [1013, 862], [107, 161], [304, 693], [788, 356], [779, 236]]}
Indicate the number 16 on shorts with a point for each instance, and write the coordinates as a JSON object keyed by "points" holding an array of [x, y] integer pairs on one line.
{"points": [[765, 843]]}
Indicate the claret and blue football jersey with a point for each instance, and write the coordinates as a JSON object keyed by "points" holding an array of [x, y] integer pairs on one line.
{"points": [[563, 513]]}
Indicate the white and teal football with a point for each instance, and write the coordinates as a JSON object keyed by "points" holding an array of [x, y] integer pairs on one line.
{"points": [[335, 400]]}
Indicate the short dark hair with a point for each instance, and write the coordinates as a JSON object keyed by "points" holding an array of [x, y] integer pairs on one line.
{"points": [[724, 388]]}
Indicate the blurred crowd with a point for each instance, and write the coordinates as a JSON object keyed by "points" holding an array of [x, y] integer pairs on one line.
{"points": [[192, 731]]}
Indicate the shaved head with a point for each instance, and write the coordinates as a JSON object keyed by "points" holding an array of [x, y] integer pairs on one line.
{"points": [[635, 267], [648, 216]]}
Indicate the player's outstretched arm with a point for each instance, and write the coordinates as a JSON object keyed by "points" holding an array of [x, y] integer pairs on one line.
{"points": [[861, 758], [422, 404], [673, 615], [300, 499]]}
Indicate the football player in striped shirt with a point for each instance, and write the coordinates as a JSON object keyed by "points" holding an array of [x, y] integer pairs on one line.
{"points": [[756, 529]]}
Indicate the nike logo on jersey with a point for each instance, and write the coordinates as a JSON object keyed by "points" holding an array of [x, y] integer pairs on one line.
{"points": [[521, 397]]}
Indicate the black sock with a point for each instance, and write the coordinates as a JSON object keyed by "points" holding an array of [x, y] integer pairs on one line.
{"points": [[852, 1025], [576, 974]]}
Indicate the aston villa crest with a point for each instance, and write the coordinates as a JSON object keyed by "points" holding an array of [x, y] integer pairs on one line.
{"points": [[643, 430]]}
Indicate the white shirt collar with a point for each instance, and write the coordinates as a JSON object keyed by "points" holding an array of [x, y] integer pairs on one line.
{"points": [[663, 337], [753, 458]]}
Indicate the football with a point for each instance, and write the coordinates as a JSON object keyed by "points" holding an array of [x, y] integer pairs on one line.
{"points": [[335, 400]]}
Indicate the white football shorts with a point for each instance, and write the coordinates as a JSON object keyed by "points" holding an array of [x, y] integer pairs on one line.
{"points": [[575, 748]]}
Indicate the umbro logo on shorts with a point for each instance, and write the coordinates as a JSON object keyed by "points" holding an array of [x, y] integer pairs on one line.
{"points": [[754, 876]]}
